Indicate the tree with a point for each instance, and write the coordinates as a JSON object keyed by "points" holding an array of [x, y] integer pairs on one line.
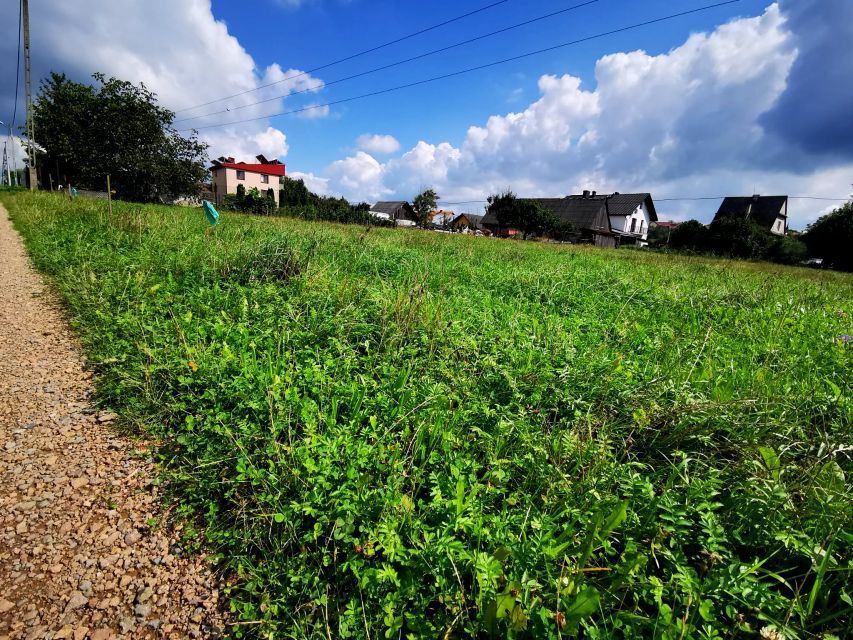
{"points": [[533, 218], [115, 128], [528, 216], [689, 236], [503, 207], [831, 238], [658, 236], [787, 250], [738, 238], [296, 200], [293, 193], [424, 204]]}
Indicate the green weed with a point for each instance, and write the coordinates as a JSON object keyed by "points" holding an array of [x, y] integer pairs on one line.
{"points": [[400, 434]]}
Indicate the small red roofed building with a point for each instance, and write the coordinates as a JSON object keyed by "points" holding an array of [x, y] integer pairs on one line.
{"points": [[228, 175]]}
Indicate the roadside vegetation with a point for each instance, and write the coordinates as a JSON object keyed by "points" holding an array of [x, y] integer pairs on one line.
{"points": [[394, 434]]}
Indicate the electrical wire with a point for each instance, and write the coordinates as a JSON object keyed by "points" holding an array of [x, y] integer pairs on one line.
{"points": [[472, 69], [350, 57], [724, 197], [399, 62]]}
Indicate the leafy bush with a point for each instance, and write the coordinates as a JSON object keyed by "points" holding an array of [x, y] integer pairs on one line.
{"points": [[786, 250], [296, 201], [690, 236], [831, 238], [250, 201]]}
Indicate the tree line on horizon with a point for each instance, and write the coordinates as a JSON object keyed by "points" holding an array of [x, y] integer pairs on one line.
{"points": [[829, 238]]}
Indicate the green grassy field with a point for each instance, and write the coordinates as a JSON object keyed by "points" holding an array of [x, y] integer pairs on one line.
{"points": [[400, 434]]}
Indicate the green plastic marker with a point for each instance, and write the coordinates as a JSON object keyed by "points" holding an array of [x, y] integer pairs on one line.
{"points": [[211, 213]]}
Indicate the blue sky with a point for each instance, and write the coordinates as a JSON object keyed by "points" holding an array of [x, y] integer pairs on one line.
{"points": [[318, 32], [754, 96]]}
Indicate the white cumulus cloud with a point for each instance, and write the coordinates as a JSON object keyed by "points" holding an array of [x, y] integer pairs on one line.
{"points": [[358, 177], [684, 122], [376, 143], [178, 49], [314, 111]]}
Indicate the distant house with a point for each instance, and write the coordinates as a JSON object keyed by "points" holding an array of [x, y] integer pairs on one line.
{"points": [[605, 220], [441, 218], [398, 211], [466, 221], [228, 175], [666, 224], [769, 212]]}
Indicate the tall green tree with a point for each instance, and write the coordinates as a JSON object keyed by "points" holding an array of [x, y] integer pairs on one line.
{"points": [[690, 236], [115, 127], [831, 238], [528, 216], [533, 218], [424, 204], [502, 206]]}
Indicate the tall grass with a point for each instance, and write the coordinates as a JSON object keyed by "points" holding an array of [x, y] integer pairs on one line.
{"points": [[390, 433]]}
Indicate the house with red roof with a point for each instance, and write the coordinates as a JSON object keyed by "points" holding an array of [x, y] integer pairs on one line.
{"points": [[229, 174]]}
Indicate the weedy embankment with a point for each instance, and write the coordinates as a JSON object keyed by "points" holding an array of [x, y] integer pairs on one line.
{"points": [[388, 433]]}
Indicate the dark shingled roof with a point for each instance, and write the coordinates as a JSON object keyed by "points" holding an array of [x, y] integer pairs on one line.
{"points": [[397, 209], [489, 220], [584, 213], [590, 212], [764, 210], [624, 204]]}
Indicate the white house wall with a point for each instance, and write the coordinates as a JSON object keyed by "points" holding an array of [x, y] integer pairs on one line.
{"points": [[778, 227], [639, 215]]}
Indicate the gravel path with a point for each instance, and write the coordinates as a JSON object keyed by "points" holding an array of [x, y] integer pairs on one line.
{"points": [[78, 558]]}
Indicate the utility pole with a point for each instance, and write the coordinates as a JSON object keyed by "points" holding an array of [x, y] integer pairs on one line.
{"points": [[31, 150]]}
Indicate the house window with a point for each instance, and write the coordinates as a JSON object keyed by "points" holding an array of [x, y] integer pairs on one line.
{"points": [[633, 225], [241, 175], [265, 179], [642, 222]]}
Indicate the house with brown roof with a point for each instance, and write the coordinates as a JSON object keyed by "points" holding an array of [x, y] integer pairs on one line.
{"points": [[468, 221], [229, 174], [768, 212]]}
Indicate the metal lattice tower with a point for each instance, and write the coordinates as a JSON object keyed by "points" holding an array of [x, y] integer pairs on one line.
{"points": [[4, 172]]}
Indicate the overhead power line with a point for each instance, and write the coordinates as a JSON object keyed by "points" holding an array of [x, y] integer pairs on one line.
{"points": [[350, 57], [476, 68], [399, 62], [724, 197]]}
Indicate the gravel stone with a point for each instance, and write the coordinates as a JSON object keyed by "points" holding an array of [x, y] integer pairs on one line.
{"points": [[76, 601], [75, 495], [142, 610]]}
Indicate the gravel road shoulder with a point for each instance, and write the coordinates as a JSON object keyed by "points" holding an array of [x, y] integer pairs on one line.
{"points": [[80, 553]]}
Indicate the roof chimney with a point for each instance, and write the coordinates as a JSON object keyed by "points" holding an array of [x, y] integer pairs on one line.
{"points": [[586, 193], [593, 194]]}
